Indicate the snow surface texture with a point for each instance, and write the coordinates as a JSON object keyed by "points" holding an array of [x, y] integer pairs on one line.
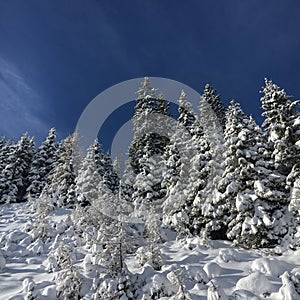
{"points": [[31, 268]]}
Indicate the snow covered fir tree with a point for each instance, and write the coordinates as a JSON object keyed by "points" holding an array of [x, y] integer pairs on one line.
{"points": [[208, 206]]}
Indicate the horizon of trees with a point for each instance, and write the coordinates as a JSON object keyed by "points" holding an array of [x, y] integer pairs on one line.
{"points": [[217, 174]]}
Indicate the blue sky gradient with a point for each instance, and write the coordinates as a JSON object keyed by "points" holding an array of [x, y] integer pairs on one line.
{"points": [[56, 56]]}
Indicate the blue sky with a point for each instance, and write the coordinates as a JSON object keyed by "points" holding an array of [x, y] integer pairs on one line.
{"points": [[57, 55]]}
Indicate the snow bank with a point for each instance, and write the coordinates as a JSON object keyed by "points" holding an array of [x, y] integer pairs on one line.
{"points": [[16, 236], [228, 254], [257, 283], [196, 273], [49, 292], [212, 269], [270, 266]]}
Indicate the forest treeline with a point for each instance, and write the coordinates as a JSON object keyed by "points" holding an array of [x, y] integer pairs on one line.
{"points": [[215, 173]]}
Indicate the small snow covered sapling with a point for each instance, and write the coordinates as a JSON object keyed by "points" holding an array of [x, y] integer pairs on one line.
{"points": [[160, 287], [29, 287], [115, 280], [121, 287], [42, 228], [68, 284], [60, 258], [288, 288], [151, 253], [176, 278], [215, 292]]}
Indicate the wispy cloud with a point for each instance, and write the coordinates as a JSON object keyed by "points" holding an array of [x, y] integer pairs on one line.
{"points": [[19, 104]]}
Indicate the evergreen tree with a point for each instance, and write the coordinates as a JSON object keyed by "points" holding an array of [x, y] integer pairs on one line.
{"points": [[206, 203], [5, 149], [127, 182], [215, 103], [64, 174], [243, 141], [147, 185], [198, 178], [150, 253], [192, 165], [114, 241], [43, 164], [105, 167], [293, 181], [151, 136], [187, 116], [69, 284], [110, 177], [88, 178], [174, 200], [271, 218], [145, 128], [181, 176], [14, 177], [281, 126], [2, 144], [2, 141], [281, 133]]}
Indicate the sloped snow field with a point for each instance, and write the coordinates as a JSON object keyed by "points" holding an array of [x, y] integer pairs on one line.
{"points": [[206, 271]]}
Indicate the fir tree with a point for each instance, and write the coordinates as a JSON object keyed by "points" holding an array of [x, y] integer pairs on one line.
{"points": [[114, 241], [198, 178], [88, 179], [14, 177], [147, 185], [281, 126], [105, 167], [293, 182], [127, 182], [110, 177], [64, 174], [151, 136], [4, 153], [69, 284], [150, 253], [181, 176], [243, 141], [208, 198], [195, 157], [176, 208], [215, 103], [43, 164], [281, 132], [2, 141], [187, 116], [145, 127]]}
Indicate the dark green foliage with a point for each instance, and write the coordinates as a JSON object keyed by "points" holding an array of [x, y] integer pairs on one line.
{"points": [[14, 176], [44, 162]]}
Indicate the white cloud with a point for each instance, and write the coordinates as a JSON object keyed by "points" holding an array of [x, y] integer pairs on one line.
{"points": [[19, 104]]}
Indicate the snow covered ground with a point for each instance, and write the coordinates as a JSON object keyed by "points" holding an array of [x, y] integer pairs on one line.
{"points": [[204, 270]]}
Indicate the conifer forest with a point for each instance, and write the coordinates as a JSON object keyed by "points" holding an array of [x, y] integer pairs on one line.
{"points": [[207, 206]]}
